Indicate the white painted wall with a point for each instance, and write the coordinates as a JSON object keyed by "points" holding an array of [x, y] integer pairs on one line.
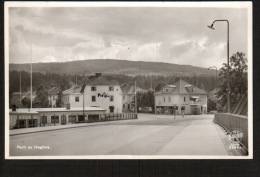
{"points": [[70, 98], [179, 101], [103, 102]]}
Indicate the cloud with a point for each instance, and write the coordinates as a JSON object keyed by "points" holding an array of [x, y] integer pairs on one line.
{"points": [[174, 35]]}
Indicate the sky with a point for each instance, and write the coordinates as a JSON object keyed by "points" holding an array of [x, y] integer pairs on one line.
{"points": [[176, 35]]}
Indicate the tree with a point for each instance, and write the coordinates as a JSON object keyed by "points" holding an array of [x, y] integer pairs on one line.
{"points": [[238, 79], [41, 99], [145, 99], [59, 101]]}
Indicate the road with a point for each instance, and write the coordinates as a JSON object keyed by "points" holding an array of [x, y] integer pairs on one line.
{"points": [[148, 135]]}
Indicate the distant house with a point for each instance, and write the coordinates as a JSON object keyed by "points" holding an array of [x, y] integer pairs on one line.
{"points": [[53, 96], [73, 97], [19, 98], [128, 91], [97, 92], [182, 96]]}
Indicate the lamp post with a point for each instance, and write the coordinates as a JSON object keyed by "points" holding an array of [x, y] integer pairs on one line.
{"points": [[31, 56], [228, 78], [135, 99], [214, 67]]}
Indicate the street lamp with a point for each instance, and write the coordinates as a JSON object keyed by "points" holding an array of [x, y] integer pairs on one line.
{"points": [[214, 67], [228, 79]]}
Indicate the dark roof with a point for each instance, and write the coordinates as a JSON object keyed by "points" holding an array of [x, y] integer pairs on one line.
{"points": [[130, 89], [183, 87], [215, 90], [101, 80], [54, 91], [73, 89], [16, 93]]}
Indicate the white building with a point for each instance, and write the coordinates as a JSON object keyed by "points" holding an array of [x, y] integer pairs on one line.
{"points": [[97, 92], [53, 96], [73, 97], [183, 96], [128, 91]]}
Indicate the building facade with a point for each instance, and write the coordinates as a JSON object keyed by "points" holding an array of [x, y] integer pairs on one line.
{"points": [[97, 92], [128, 91], [181, 97], [53, 96], [35, 117]]}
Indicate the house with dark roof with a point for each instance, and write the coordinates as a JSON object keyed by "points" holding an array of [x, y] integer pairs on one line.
{"points": [[128, 91], [19, 98], [53, 96], [181, 96], [97, 92]]}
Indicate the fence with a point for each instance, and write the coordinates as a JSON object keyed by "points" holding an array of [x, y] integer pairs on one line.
{"points": [[119, 116], [234, 122]]}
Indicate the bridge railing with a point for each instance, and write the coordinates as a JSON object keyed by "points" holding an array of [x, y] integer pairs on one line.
{"points": [[234, 122]]}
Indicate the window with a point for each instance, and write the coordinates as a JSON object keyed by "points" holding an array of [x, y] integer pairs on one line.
{"points": [[93, 88], [167, 90], [164, 99], [72, 118], [111, 98], [76, 99], [44, 119], [111, 109], [184, 99], [54, 119], [53, 97], [93, 98], [123, 97], [111, 88], [169, 99]]}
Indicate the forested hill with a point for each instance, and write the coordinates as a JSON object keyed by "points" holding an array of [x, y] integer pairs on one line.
{"points": [[113, 66]]}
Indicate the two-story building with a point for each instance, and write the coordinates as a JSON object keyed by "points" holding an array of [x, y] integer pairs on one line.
{"points": [[73, 97], [97, 92], [128, 91], [181, 96], [53, 96]]}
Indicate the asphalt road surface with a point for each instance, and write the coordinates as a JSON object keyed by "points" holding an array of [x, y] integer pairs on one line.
{"points": [[148, 135]]}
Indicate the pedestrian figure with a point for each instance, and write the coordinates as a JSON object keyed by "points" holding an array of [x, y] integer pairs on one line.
{"points": [[175, 111], [182, 111]]}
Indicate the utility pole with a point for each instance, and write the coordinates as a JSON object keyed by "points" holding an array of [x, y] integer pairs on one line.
{"points": [[31, 72], [20, 88], [135, 99]]}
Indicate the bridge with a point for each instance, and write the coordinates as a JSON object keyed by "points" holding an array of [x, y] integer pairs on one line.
{"points": [[150, 134]]}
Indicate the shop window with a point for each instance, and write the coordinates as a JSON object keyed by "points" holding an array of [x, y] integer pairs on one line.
{"points": [[54, 119]]}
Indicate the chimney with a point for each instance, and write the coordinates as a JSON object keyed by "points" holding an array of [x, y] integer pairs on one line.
{"points": [[13, 107], [68, 106]]}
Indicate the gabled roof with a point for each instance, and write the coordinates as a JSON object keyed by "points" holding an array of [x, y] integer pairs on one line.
{"points": [[215, 90], [130, 89], [73, 89], [183, 87], [101, 81], [16, 93], [54, 91]]}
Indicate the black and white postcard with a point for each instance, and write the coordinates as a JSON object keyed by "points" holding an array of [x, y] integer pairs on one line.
{"points": [[128, 80]]}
